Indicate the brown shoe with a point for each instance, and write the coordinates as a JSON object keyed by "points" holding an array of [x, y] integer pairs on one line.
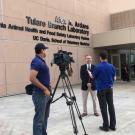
{"points": [[84, 114], [96, 114]]}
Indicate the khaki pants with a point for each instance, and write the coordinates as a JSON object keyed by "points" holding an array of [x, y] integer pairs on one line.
{"points": [[85, 97]]}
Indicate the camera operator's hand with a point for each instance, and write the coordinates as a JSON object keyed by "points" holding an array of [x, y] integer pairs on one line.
{"points": [[47, 92]]}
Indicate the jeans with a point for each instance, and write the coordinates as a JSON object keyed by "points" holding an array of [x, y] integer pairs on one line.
{"points": [[42, 109]]}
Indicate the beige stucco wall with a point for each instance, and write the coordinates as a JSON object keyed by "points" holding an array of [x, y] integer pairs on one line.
{"points": [[121, 5], [123, 13], [16, 47], [123, 19]]}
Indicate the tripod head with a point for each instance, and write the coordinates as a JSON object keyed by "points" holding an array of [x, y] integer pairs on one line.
{"points": [[62, 71]]}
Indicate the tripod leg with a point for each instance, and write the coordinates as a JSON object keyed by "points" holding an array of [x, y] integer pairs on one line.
{"points": [[73, 119], [69, 87], [79, 116], [76, 106], [55, 88], [70, 104]]}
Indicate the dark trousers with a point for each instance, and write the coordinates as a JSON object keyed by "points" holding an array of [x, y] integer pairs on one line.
{"points": [[42, 107], [105, 99]]}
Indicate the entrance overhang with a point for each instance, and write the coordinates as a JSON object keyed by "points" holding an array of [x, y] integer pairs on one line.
{"points": [[122, 38]]}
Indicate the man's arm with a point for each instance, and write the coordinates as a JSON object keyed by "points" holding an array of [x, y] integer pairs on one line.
{"points": [[36, 82], [90, 74]]}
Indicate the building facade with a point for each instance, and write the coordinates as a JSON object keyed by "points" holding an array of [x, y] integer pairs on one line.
{"points": [[119, 42], [67, 24], [71, 25]]}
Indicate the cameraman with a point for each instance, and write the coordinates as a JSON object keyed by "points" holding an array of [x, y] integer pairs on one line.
{"points": [[40, 78]]}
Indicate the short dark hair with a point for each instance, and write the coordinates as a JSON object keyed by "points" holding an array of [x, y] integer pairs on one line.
{"points": [[103, 55], [39, 47]]}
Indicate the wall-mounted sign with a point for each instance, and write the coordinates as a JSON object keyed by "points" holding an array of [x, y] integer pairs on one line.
{"points": [[60, 31]]}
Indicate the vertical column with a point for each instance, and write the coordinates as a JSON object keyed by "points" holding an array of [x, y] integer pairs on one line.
{"points": [[1, 10], [2, 63]]}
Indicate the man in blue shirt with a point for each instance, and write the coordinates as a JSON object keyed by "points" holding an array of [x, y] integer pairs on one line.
{"points": [[40, 78], [104, 75]]}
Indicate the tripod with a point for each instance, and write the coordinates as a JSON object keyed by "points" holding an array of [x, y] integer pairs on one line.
{"points": [[70, 100]]}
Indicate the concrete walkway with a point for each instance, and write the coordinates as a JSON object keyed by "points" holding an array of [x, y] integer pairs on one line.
{"points": [[16, 114]]}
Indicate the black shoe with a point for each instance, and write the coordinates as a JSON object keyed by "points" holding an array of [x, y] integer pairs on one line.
{"points": [[112, 128], [84, 114], [103, 128], [96, 114]]}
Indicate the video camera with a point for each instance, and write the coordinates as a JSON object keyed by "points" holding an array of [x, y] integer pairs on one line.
{"points": [[63, 60]]}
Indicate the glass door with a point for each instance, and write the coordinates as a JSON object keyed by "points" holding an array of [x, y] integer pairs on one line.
{"points": [[132, 66], [115, 60]]}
